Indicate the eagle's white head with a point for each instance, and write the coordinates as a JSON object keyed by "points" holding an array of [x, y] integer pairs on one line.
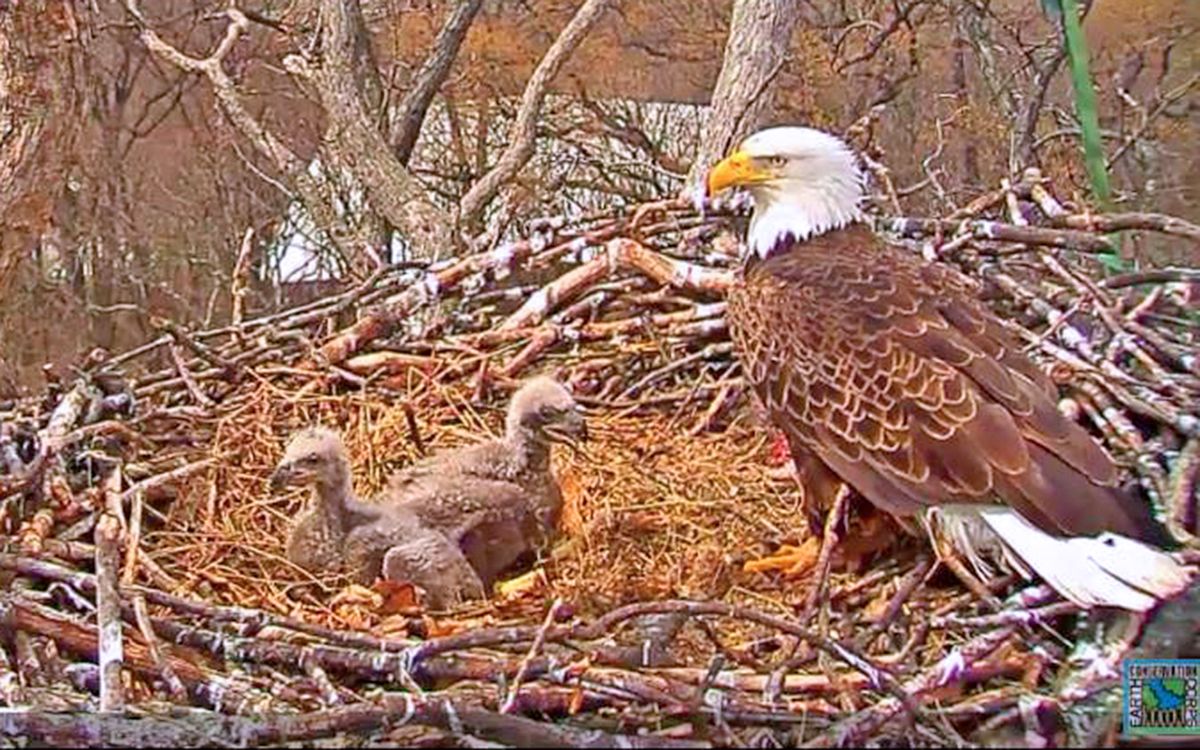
{"points": [[805, 182]]}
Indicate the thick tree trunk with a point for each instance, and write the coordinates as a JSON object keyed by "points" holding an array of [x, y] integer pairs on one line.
{"points": [[36, 99], [962, 93], [354, 139], [760, 33], [350, 41]]}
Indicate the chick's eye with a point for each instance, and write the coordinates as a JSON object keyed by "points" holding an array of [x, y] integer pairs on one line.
{"points": [[310, 459]]}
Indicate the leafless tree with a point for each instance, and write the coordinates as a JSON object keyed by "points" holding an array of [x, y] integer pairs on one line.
{"points": [[436, 67], [39, 41], [521, 146], [140, 149]]}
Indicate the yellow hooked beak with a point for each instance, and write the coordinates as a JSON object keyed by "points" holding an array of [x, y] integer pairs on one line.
{"points": [[736, 169]]}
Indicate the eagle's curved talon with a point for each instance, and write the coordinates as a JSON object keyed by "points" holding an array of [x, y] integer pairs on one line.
{"points": [[793, 561]]}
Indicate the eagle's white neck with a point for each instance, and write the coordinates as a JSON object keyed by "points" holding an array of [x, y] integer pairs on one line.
{"points": [[825, 197]]}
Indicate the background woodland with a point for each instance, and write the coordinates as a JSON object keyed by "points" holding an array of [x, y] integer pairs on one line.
{"points": [[154, 156]]}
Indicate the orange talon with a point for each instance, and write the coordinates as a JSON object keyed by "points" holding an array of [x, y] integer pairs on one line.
{"points": [[793, 561]]}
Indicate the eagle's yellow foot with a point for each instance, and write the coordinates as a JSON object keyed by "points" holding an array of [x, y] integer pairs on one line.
{"points": [[793, 561]]}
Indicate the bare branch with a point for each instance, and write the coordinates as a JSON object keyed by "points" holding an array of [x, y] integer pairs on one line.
{"points": [[108, 605], [1033, 106], [525, 128], [356, 143], [433, 71], [241, 277], [313, 192]]}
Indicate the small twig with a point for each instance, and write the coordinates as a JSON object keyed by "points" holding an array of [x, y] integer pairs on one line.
{"points": [[172, 681], [829, 540], [853, 730], [996, 231], [535, 648], [134, 538], [206, 353], [241, 277], [904, 590], [1151, 276], [188, 381], [1009, 617], [165, 479]]}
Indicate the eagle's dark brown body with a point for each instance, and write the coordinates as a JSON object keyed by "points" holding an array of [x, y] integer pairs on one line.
{"points": [[887, 373]]}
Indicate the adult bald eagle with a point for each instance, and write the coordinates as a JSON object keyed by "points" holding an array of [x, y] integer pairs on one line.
{"points": [[886, 373]]}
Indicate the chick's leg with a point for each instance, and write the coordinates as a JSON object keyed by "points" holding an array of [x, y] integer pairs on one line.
{"points": [[429, 560]]}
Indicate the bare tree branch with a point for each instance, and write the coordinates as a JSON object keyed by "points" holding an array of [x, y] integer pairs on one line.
{"points": [[433, 71], [1033, 106], [524, 129], [356, 143], [314, 193]]}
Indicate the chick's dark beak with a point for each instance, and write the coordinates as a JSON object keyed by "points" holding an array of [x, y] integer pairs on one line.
{"points": [[575, 426], [571, 428], [281, 477]]}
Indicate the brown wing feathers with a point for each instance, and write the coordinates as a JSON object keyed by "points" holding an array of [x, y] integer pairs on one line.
{"points": [[893, 374]]}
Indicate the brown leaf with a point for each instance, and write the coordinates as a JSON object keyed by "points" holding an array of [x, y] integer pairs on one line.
{"points": [[355, 594], [398, 597], [439, 628]]}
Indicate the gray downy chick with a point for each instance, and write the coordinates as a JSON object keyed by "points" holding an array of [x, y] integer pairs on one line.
{"points": [[497, 500], [315, 457], [399, 548], [541, 413], [339, 532]]}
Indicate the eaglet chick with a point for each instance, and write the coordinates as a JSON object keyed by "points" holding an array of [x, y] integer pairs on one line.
{"points": [[315, 457], [339, 531], [497, 500]]}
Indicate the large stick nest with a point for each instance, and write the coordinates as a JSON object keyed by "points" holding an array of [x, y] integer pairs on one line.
{"points": [[140, 479]]}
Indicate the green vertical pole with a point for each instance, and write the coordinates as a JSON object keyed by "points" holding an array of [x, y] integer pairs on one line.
{"points": [[1089, 120], [1085, 102]]}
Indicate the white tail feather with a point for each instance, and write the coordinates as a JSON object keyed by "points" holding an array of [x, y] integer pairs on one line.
{"points": [[963, 527], [1103, 571]]}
